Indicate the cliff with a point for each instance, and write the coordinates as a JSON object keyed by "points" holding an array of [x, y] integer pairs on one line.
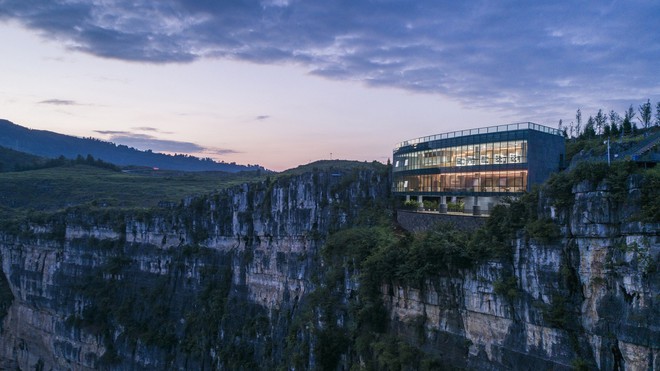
{"points": [[211, 283], [587, 300], [299, 272]]}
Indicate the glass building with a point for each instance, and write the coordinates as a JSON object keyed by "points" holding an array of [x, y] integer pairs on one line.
{"points": [[477, 166]]}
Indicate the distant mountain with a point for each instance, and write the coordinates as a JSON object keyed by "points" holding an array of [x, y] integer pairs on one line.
{"points": [[52, 145]]}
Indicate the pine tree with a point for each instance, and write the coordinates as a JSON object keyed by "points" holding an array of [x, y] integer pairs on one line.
{"points": [[600, 120], [589, 131], [614, 122], [657, 114], [615, 130], [627, 121], [578, 119], [645, 114], [626, 127], [630, 113]]}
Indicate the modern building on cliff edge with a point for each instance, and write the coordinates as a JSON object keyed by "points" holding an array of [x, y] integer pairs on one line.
{"points": [[476, 167]]}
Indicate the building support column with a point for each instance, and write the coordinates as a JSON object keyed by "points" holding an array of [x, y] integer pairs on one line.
{"points": [[420, 202], [407, 198], [476, 209], [442, 207]]}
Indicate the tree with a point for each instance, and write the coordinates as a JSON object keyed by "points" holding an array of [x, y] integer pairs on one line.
{"points": [[578, 119], [630, 113], [607, 130], [615, 130], [89, 160], [645, 114], [657, 114], [627, 128], [562, 129], [589, 131], [600, 120], [614, 122]]}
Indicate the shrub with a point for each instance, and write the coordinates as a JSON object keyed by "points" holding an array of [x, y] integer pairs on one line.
{"points": [[458, 207], [430, 205], [650, 201], [543, 230], [410, 205], [507, 287]]}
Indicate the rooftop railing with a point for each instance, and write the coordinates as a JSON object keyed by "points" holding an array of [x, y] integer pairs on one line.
{"points": [[486, 130]]}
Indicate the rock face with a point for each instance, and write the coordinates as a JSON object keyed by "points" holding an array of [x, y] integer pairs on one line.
{"points": [[211, 284], [587, 300], [219, 281]]}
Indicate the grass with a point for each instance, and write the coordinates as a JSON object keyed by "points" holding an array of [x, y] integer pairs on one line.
{"points": [[60, 187]]}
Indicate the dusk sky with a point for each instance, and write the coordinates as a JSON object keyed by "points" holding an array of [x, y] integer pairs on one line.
{"points": [[284, 82]]}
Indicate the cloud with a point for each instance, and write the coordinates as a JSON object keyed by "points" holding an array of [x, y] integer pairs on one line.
{"points": [[144, 142], [59, 102], [513, 55], [147, 128], [221, 151], [262, 117], [112, 132]]}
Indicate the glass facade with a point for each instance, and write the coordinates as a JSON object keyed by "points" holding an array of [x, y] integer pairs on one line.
{"points": [[494, 160], [482, 182], [498, 153]]}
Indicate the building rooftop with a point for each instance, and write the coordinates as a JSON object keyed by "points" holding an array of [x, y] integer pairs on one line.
{"points": [[485, 130]]}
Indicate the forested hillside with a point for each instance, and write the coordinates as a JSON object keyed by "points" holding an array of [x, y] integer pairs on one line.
{"points": [[52, 145]]}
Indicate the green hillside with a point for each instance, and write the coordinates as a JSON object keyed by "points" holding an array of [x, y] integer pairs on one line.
{"points": [[11, 160], [59, 187]]}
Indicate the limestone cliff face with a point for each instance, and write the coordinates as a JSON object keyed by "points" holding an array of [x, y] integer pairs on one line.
{"points": [[219, 282], [589, 299], [210, 284]]}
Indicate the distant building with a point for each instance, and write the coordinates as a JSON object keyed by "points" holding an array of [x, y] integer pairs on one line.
{"points": [[476, 166]]}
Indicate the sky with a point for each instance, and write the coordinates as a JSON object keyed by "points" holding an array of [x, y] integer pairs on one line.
{"points": [[281, 83]]}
